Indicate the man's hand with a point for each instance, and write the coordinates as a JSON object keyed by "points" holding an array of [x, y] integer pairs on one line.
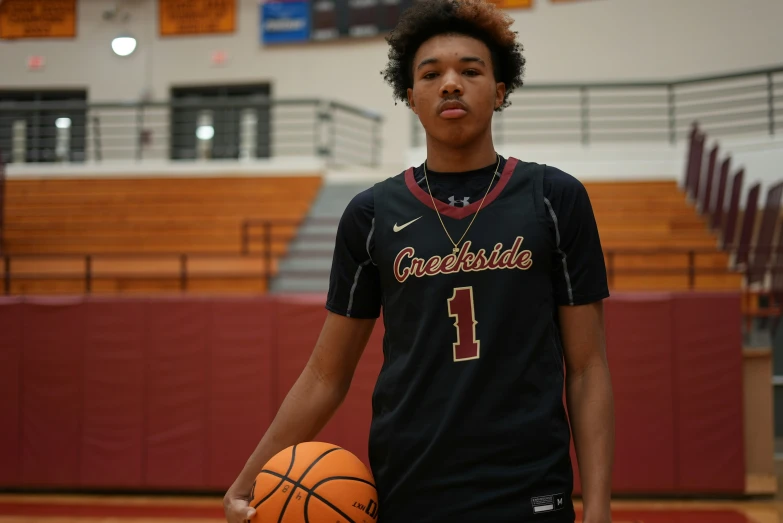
{"points": [[237, 508]]}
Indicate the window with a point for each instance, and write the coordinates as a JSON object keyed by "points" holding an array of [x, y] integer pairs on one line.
{"points": [[43, 126], [203, 129]]}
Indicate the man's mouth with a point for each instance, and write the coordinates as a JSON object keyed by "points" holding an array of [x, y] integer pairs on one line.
{"points": [[452, 109]]}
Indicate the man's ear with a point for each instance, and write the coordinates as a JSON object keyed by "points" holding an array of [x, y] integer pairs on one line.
{"points": [[500, 94], [410, 100]]}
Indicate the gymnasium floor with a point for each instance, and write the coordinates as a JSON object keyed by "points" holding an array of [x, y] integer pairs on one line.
{"points": [[113, 509]]}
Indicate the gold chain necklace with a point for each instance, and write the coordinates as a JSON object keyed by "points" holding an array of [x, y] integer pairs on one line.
{"points": [[456, 244]]}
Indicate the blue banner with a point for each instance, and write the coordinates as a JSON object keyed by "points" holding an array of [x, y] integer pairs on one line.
{"points": [[285, 22]]}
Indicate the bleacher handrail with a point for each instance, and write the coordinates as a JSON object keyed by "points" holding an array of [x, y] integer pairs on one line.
{"points": [[145, 129], [268, 257], [267, 254], [648, 111], [658, 83], [2, 203], [756, 254]]}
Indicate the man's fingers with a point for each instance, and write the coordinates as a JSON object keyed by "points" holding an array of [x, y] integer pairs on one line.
{"points": [[240, 512]]}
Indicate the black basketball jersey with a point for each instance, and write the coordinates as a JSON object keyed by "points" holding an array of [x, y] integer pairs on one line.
{"points": [[468, 418]]}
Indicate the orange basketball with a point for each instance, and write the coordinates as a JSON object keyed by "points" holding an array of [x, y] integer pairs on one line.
{"points": [[314, 482]]}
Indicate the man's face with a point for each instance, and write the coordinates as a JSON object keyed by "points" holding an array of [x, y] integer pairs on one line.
{"points": [[454, 90]]}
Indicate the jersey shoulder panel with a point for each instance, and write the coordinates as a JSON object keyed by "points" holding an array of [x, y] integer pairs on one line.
{"points": [[529, 177]]}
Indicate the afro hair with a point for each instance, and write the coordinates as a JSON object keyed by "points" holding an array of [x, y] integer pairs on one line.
{"points": [[479, 19]]}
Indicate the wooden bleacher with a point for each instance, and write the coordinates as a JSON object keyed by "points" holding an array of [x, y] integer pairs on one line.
{"points": [[152, 216], [107, 217], [654, 216]]}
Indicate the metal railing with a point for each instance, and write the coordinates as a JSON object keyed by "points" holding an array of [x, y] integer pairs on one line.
{"points": [[743, 103], [179, 269], [689, 265], [238, 128], [716, 198], [267, 236], [267, 258], [261, 239], [2, 203], [88, 274]]}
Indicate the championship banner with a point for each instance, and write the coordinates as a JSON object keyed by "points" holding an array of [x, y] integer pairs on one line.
{"points": [[191, 17], [37, 19], [513, 4], [285, 22]]}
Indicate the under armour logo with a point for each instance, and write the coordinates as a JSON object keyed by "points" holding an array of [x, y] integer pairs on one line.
{"points": [[453, 201]]}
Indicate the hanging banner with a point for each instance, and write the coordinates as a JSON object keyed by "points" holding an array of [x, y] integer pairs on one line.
{"points": [[513, 4], [285, 22], [37, 19], [192, 17]]}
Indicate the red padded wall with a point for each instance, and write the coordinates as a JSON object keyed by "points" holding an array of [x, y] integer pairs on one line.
{"points": [[177, 392], [708, 387], [298, 325], [241, 370], [52, 391], [11, 340], [639, 350], [114, 375]]}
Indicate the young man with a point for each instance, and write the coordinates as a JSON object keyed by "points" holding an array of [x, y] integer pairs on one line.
{"points": [[490, 275]]}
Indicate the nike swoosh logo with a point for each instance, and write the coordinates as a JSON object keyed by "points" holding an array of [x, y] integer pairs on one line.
{"points": [[398, 228]]}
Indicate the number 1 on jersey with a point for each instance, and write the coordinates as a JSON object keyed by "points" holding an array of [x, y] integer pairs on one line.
{"points": [[464, 313]]}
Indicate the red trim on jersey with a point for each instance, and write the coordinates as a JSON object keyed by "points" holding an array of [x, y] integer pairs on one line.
{"points": [[459, 213]]}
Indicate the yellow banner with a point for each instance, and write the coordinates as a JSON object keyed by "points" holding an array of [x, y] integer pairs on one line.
{"points": [[37, 19], [190, 17]]}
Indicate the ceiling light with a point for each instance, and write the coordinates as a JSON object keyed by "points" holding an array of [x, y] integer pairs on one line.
{"points": [[123, 45]]}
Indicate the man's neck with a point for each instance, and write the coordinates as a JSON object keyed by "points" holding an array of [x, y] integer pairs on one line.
{"points": [[441, 158]]}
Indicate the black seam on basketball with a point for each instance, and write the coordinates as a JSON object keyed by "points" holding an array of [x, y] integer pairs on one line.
{"points": [[315, 461], [287, 501], [282, 478], [326, 502], [275, 474], [298, 483], [332, 478], [312, 492], [315, 494]]}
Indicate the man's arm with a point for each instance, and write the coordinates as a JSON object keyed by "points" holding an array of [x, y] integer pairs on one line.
{"points": [[354, 302], [590, 405], [309, 405]]}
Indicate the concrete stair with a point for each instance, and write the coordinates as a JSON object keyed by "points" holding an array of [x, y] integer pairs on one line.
{"points": [[306, 266]]}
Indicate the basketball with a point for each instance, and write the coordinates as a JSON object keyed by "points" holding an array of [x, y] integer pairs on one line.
{"points": [[314, 482]]}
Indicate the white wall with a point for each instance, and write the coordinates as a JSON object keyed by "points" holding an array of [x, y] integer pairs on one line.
{"points": [[588, 40], [760, 157]]}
